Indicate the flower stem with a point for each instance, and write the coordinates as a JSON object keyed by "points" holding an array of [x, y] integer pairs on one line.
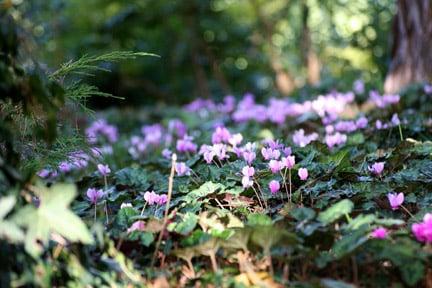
{"points": [[408, 212], [400, 132]]}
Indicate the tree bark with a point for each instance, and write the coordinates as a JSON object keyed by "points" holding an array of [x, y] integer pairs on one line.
{"points": [[412, 45], [309, 57]]}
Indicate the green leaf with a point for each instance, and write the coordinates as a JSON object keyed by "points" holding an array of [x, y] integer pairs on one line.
{"points": [[259, 220], [336, 211], [187, 224], [204, 190], [136, 178], [53, 215]]}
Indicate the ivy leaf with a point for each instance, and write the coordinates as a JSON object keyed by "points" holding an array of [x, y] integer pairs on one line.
{"points": [[187, 224], [53, 215], [204, 190], [336, 211], [136, 178], [8, 229]]}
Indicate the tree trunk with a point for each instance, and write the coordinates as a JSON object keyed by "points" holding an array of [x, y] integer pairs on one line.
{"points": [[412, 45], [309, 57]]}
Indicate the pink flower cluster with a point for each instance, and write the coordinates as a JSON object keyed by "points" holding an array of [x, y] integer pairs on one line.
{"points": [[94, 195], [301, 139], [152, 198], [101, 128], [384, 100], [423, 230]]}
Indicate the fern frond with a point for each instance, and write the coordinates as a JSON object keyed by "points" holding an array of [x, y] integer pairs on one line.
{"points": [[87, 64]]}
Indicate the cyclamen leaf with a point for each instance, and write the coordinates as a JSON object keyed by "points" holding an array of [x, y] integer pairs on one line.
{"points": [[53, 215], [336, 211]]}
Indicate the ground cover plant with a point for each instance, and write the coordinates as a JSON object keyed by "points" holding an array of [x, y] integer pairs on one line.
{"points": [[321, 192]]}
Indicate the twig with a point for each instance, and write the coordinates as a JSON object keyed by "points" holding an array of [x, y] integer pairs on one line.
{"points": [[170, 187]]}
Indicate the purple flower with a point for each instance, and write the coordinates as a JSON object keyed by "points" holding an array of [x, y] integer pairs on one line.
{"points": [[186, 145], [275, 166], [152, 198], [395, 200], [65, 167], [178, 127], [427, 88], [248, 171], [137, 226], [301, 139], [44, 173], [269, 153], [303, 174], [362, 122], [274, 186], [94, 195], [235, 139], [358, 86], [221, 135], [287, 151], [379, 233], [101, 128], [377, 168], [249, 156], [335, 139], [182, 169], [166, 153], [103, 169], [395, 120], [288, 161], [423, 230], [246, 182], [220, 151]]}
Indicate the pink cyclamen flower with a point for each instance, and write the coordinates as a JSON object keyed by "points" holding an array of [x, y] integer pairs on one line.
{"points": [[269, 153], [182, 169], [274, 186], [94, 195], [103, 169], [136, 226], [65, 167], [249, 156], [379, 233], [423, 230], [152, 198], [248, 171], [221, 135], [44, 173], [247, 182], [275, 166], [395, 200], [377, 168], [235, 139], [303, 173], [288, 161]]}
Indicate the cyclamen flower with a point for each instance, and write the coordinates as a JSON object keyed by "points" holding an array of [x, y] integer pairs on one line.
{"points": [[361, 122], [377, 168], [335, 140], [379, 233], [274, 186], [166, 153], [395, 120], [103, 169], [395, 200], [186, 145], [423, 230], [275, 166], [235, 139], [269, 153], [427, 88], [65, 167], [358, 86], [249, 156], [178, 127], [152, 198], [303, 174], [182, 169], [247, 182], [248, 171], [137, 226], [94, 195], [44, 173], [220, 151], [221, 135], [288, 161], [301, 139]]}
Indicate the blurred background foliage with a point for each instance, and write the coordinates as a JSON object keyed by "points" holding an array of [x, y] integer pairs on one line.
{"points": [[215, 47]]}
